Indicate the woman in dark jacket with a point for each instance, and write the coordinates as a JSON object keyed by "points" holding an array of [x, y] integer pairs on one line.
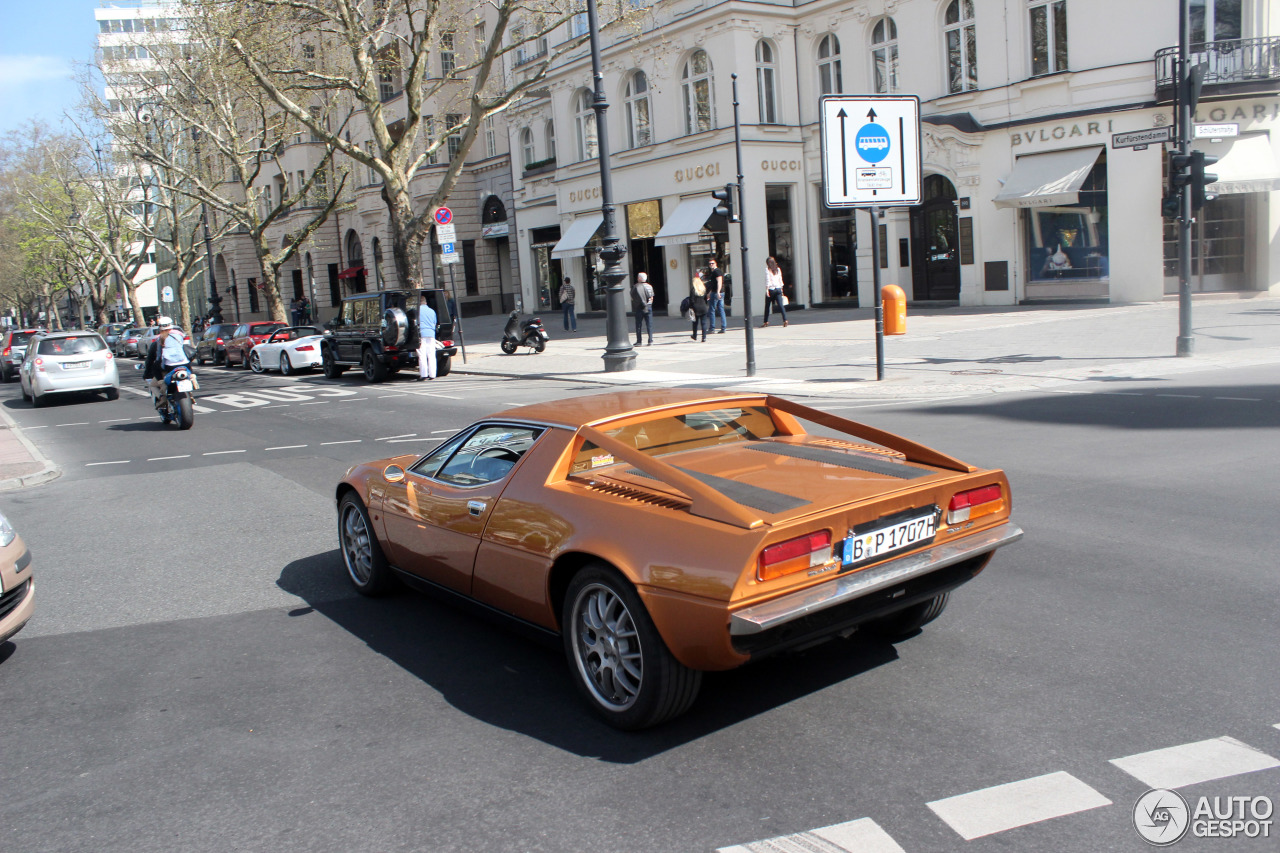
{"points": [[698, 303]]}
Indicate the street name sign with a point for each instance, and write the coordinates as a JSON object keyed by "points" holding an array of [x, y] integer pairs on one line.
{"points": [[870, 150], [1141, 138], [1216, 131]]}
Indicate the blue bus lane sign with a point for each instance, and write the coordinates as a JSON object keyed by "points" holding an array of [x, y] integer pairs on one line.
{"points": [[870, 150]]}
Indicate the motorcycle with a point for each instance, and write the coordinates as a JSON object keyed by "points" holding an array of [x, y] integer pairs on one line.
{"points": [[177, 404], [531, 333]]}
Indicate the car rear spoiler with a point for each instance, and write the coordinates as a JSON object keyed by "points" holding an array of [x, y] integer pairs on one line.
{"points": [[913, 451], [705, 501]]}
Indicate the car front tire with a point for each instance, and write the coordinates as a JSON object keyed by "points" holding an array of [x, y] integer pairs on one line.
{"points": [[112, 393], [367, 566], [255, 363], [617, 658]]}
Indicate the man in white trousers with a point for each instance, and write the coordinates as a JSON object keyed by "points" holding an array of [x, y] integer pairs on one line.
{"points": [[426, 339]]}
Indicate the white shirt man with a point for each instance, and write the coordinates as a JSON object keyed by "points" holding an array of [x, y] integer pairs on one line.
{"points": [[426, 340]]}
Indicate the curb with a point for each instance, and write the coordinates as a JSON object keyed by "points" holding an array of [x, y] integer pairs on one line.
{"points": [[47, 473]]}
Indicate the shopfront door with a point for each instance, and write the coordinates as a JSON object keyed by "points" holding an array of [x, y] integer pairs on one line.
{"points": [[644, 221], [935, 243]]}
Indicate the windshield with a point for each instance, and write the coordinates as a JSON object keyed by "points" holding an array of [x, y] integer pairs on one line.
{"points": [[71, 346]]}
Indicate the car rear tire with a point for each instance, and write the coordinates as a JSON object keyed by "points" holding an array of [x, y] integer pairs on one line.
{"points": [[36, 401], [374, 369], [199, 358], [244, 360], [285, 367], [255, 363], [617, 658], [332, 370], [911, 619], [4, 375], [443, 365], [112, 393], [367, 567], [26, 398]]}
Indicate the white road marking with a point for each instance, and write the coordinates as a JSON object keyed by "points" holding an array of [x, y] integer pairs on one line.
{"points": [[407, 440], [348, 441], [438, 431], [135, 391], [278, 406], [79, 423], [286, 447], [316, 403], [222, 452], [1123, 393], [1015, 804], [1191, 763], [117, 462], [162, 458], [353, 399], [856, 836], [1241, 399], [390, 437], [202, 410], [28, 429], [388, 396], [112, 420], [1183, 396]]}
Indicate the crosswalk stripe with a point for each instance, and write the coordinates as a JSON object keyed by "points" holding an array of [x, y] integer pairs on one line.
{"points": [[856, 836], [1004, 807], [1191, 763]]}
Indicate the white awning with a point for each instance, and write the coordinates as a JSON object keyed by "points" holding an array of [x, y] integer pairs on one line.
{"points": [[1245, 165], [686, 222], [578, 236], [1045, 180]]}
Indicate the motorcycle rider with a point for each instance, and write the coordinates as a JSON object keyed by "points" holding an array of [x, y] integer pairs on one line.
{"points": [[165, 353]]}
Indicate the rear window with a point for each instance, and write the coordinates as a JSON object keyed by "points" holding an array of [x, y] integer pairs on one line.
{"points": [[71, 346], [673, 433], [18, 339]]}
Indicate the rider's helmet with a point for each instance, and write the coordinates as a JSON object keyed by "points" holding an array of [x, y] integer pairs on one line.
{"points": [[163, 323]]}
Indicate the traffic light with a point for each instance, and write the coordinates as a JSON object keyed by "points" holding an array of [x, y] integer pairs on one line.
{"points": [[1171, 206], [1179, 172], [725, 207], [1199, 178]]}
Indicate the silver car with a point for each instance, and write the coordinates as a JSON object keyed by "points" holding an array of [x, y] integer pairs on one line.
{"points": [[62, 362], [127, 341], [13, 348], [148, 335]]}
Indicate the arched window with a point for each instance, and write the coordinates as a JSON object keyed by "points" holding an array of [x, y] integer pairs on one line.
{"points": [[588, 142], [766, 82], [639, 130], [526, 146], [830, 80], [551, 139], [962, 46], [699, 111], [884, 55]]}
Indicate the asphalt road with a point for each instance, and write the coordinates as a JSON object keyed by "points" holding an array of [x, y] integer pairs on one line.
{"points": [[200, 677]]}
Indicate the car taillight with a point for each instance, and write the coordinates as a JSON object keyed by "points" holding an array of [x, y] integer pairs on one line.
{"points": [[8, 351], [795, 555], [975, 503], [40, 364], [218, 340], [110, 356], [307, 348], [390, 349], [446, 343]]}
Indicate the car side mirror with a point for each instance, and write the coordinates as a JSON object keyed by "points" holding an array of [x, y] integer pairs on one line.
{"points": [[393, 474]]}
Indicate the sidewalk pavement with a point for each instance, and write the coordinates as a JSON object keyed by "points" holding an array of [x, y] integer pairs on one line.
{"points": [[21, 464], [946, 353]]}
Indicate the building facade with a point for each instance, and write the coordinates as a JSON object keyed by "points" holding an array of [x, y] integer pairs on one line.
{"points": [[1026, 195]]}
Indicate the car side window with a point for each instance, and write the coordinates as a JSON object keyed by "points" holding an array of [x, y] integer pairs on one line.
{"points": [[484, 456]]}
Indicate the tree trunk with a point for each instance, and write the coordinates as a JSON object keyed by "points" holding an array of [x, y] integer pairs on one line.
{"points": [[138, 319], [407, 238], [184, 308]]}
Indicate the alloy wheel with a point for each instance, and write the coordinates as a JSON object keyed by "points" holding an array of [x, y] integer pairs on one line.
{"points": [[607, 647], [356, 548]]}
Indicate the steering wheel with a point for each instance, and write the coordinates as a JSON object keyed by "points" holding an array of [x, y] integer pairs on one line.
{"points": [[496, 453]]}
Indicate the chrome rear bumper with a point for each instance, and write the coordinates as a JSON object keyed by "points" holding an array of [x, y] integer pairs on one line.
{"points": [[779, 611]]}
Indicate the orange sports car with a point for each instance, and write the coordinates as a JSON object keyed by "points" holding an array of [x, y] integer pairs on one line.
{"points": [[662, 533]]}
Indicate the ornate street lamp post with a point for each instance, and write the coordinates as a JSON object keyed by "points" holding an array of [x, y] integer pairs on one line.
{"points": [[618, 353]]}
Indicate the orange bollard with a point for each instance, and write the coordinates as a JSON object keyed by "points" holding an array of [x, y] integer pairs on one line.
{"points": [[895, 309]]}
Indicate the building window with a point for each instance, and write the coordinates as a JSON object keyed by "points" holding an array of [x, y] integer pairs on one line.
{"points": [[430, 126], [962, 46], [1069, 241], [637, 104], [1215, 20], [1048, 36], [588, 142], [578, 25], [766, 82], [884, 56], [490, 138], [699, 112], [830, 80], [454, 142], [386, 84], [448, 59], [526, 146], [377, 263], [551, 139]]}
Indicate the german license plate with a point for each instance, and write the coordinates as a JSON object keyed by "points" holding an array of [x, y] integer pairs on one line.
{"points": [[75, 365], [184, 385], [890, 535]]}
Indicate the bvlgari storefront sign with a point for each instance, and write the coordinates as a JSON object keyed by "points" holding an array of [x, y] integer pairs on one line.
{"points": [[1057, 132], [697, 173]]}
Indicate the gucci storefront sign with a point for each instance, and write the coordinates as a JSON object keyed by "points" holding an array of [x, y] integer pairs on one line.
{"points": [[697, 173], [780, 165], [576, 196]]}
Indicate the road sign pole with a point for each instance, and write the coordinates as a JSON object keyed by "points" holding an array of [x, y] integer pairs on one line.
{"points": [[745, 273], [457, 319], [875, 286], [1185, 343]]}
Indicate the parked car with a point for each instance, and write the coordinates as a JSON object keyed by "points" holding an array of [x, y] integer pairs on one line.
{"points": [[12, 350], [149, 334], [67, 362], [376, 332], [246, 337], [127, 341], [111, 332], [212, 345], [17, 590], [288, 350], [666, 532]]}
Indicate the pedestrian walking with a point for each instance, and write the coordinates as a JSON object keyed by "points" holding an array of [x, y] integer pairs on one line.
{"points": [[773, 290], [304, 309], [713, 278], [295, 312], [567, 295], [427, 321], [698, 305], [642, 305]]}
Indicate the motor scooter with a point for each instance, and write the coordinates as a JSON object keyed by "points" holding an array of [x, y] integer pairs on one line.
{"points": [[531, 333]]}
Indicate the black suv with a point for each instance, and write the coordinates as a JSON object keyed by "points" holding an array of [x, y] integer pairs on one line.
{"points": [[377, 332]]}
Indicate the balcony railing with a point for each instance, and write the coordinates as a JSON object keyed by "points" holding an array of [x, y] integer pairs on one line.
{"points": [[1232, 66]]}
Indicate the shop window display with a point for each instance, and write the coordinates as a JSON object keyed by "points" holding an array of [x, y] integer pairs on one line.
{"points": [[1067, 242]]}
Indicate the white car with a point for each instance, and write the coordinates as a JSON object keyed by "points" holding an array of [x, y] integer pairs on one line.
{"points": [[288, 350], [63, 362]]}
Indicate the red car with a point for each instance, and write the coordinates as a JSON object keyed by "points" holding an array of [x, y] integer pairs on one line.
{"points": [[246, 337]]}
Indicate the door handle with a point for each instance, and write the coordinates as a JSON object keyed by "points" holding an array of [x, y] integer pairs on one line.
{"points": [[475, 507]]}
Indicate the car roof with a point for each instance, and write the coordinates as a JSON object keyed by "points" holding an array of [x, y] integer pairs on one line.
{"points": [[75, 334], [595, 408]]}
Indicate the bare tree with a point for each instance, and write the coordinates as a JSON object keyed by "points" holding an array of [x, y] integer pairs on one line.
{"points": [[447, 57]]}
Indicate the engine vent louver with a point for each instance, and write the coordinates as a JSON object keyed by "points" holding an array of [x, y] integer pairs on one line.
{"points": [[864, 448], [638, 495]]}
